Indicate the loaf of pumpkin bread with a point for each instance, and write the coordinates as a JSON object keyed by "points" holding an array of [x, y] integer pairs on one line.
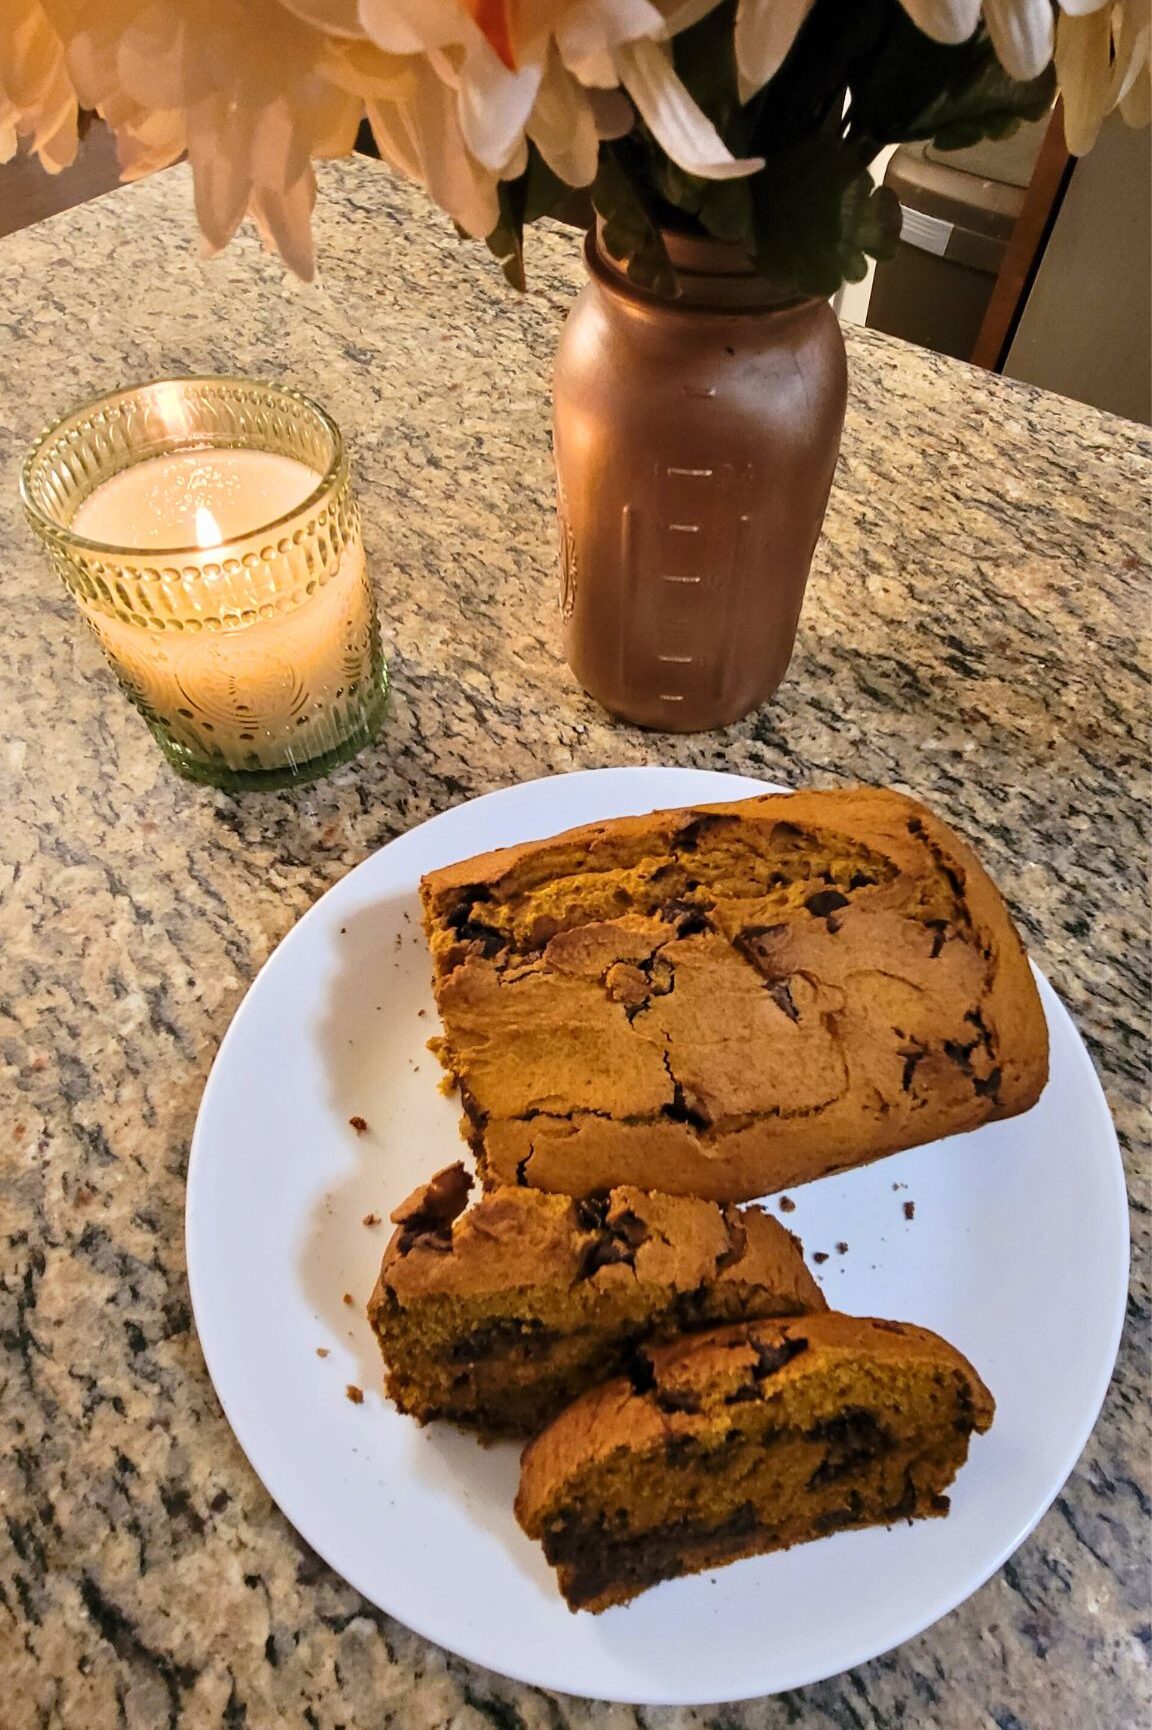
{"points": [[726, 1000]]}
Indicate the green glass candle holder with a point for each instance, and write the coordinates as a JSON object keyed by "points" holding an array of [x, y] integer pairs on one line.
{"points": [[251, 648]]}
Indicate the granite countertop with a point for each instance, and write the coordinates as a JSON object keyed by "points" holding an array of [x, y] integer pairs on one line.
{"points": [[974, 632]]}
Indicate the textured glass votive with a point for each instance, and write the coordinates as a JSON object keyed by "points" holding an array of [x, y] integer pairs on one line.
{"points": [[207, 529]]}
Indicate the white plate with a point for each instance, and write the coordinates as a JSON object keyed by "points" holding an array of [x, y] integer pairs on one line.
{"points": [[1017, 1253]]}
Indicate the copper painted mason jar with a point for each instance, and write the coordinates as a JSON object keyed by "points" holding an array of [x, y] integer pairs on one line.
{"points": [[696, 438]]}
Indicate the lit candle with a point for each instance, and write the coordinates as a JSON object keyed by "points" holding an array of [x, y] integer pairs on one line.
{"points": [[228, 588]]}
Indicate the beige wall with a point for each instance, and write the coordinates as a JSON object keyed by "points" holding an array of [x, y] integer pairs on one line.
{"points": [[1087, 328]]}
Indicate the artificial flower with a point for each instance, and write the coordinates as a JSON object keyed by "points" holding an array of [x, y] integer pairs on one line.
{"points": [[38, 106], [503, 57], [241, 89], [413, 116], [1102, 63], [455, 90], [1021, 32]]}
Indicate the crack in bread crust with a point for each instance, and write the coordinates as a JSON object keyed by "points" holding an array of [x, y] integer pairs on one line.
{"points": [[728, 1000]]}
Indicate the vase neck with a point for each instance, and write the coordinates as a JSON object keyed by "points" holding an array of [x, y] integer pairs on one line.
{"points": [[706, 273]]}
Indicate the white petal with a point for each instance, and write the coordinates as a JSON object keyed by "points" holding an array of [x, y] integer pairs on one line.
{"points": [[421, 137], [1136, 105], [587, 34], [1022, 35], [944, 20], [409, 26], [219, 150], [285, 221], [494, 104], [151, 142], [1084, 74], [765, 31], [678, 125], [333, 17], [563, 127], [689, 12], [1133, 43]]}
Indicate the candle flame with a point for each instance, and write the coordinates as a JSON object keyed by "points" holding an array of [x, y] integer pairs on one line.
{"points": [[208, 532]]}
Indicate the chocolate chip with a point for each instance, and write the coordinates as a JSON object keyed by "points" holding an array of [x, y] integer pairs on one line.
{"points": [[824, 902], [427, 1214], [630, 1227], [677, 1400], [939, 930], [781, 996], [771, 1357], [850, 1440], [989, 1087], [681, 1112], [911, 1059], [605, 1251], [592, 1211], [641, 1374]]}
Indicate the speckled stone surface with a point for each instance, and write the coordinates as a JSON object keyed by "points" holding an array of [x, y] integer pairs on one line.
{"points": [[975, 631]]}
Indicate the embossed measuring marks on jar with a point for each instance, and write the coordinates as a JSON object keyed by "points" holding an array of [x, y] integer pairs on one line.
{"points": [[684, 561]]}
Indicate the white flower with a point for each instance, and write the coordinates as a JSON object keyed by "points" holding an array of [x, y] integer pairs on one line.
{"points": [[524, 69], [1021, 32], [1102, 63]]}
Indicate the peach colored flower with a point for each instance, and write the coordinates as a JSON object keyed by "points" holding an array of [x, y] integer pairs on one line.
{"points": [[241, 88], [38, 107]]}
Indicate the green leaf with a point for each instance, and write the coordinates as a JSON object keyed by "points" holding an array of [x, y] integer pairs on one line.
{"points": [[506, 240], [535, 193], [630, 232], [910, 88], [992, 107]]}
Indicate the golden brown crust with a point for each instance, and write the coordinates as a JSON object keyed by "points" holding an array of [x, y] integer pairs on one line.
{"points": [[515, 1238], [728, 999]]}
